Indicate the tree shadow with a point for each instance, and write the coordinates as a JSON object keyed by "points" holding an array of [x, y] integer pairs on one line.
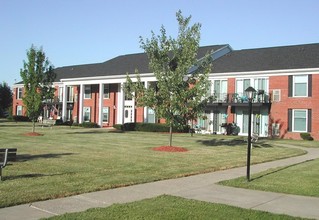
{"points": [[94, 131], [28, 157], [220, 142], [278, 170], [240, 141], [33, 175]]}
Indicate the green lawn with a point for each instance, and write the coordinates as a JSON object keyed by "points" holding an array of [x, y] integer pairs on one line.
{"points": [[66, 161], [299, 179], [169, 207]]}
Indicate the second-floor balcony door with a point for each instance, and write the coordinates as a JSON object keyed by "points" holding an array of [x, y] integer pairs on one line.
{"points": [[220, 89]]}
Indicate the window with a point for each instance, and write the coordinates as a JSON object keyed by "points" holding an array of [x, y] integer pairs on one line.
{"points": [[276, 95], [70, 94], [299, 122], [87, 91], [300, 84], [106, 92], [19, 110], [106, 111], [19, 93], [86, 114], [150, 115]]}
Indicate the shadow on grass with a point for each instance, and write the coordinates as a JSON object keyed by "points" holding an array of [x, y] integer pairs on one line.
{"points": [[223, 142], [240, 141], [97, 131], [278, 170], [33, 175], [28, 157]]}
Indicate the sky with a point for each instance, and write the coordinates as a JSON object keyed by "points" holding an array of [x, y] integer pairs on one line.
{"points": [[73, 32]]}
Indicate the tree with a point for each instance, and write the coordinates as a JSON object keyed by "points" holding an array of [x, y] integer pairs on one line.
{"points": [[5, 98], [38, 76], [182, 79]]}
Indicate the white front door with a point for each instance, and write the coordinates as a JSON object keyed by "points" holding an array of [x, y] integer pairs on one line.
{"points": [[128, 114]]}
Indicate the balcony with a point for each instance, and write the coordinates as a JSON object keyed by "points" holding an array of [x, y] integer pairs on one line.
{"points": [[238, 99]]}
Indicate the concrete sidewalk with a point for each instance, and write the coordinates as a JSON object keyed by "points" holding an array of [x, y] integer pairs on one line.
{"points": [[200, 187]]}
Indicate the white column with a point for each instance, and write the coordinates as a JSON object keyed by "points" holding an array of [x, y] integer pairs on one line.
{"points": [[120, 105], [80, 116], [145, 108], [64, 102], [101, 91]]}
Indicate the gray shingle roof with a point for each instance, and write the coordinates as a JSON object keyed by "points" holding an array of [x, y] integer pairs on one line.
{"points": [[272, 58], [260, 59], [117, 66]]}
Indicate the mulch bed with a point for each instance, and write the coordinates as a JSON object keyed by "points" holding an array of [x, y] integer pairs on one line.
{"points": [[32, 134], [170, 149]]}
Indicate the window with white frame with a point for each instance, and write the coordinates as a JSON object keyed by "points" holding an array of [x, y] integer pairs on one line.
{"points": [[106, 91], [299, 120], [276, 95], [19, 110], [86, 114], [19, 93], [87, 91], [106, 111], [300, 86]]}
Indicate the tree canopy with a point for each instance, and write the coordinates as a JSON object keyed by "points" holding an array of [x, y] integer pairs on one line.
{"points": [[38, 76], [5, 98], [181, 78]]}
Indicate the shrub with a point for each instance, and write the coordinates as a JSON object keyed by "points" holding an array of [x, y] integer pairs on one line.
{"points": [[118, 126], [129, 126], [149, 127], [306, 136], [20, 118], [89, 125]]}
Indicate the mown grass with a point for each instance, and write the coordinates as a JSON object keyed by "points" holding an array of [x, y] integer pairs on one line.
{"points": [[299, 179], [169, 207], [67, 161]]}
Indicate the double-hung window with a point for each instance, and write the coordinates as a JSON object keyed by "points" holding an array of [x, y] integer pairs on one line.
{"points": [[19, 93], [106, 92], [299, 120], [19, 110], [87, 91], [300, 86]]}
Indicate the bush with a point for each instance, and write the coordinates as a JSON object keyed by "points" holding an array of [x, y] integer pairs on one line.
{"points": [[118, 127], [149, 127], [20, 118], [306, 136], [89, 125]]}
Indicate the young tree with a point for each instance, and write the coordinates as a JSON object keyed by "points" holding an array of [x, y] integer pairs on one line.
{"points": [[5, 98], [38, 76], [182, 80]]}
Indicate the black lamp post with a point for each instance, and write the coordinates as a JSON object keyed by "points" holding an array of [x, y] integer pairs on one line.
{"points": [[250, 91]]}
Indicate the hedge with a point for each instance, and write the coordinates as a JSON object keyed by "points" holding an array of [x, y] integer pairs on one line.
{"points": [[149, 127]]}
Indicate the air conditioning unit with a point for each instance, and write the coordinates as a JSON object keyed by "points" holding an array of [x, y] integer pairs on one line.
{"points": [[276, 95]]}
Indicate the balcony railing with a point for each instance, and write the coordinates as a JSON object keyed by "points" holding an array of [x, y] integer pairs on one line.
{"points": [[229, 98]]}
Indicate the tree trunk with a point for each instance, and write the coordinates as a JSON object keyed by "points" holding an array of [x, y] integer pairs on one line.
{"points": [[33, 126], [192, 128], [170, 134]]}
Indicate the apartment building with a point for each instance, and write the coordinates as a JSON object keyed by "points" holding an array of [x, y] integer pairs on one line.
{"points": [[285, 104]]}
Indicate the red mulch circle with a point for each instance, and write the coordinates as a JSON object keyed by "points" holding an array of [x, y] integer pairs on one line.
{"points": [[32, 134], [170, 149]]}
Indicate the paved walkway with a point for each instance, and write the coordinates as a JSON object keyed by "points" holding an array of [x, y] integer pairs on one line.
{"points": [[200, 187]]}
